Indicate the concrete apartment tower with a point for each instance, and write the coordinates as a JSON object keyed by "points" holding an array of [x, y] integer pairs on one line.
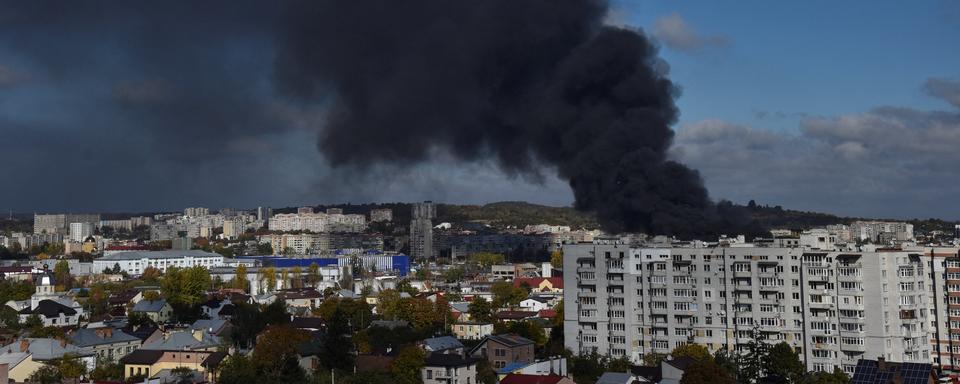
{"points": [[421, 229]]}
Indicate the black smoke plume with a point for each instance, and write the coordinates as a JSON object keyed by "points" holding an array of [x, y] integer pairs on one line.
{"points": [[537, 85]]}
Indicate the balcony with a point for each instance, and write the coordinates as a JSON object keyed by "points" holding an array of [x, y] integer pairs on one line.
{"points": [[820, 305], [853, 347], [742, 274]]}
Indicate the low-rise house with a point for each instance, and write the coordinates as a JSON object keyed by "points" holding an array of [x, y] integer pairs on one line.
{"points": [[157, 310], [52, 314], [517, 378], [551, 366], [29, 354], [442, 344], [218, 309], [147, 333], [472, 331], [514, 315], [460, 311], [106, 343], [301, 298], [441, 368], [615, 378], [535, 303], [311, 324], [501, 350], [188, 340], [125, 298], [216, 327], [155, 364]]}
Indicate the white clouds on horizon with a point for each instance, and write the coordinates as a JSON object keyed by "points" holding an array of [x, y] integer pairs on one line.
{"points": [[677, 34]]}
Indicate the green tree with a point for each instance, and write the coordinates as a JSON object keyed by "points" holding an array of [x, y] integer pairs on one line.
{"points": [[33, 322], [238, 369], [313, 274], [693, 351], [239, 280], [486, 259], [61, 274], [752, 363], [706, 372], [406, 368], [480, 310], [336, 351], [185, 289], [556, 259], [454, 275], [783, 365], [47, 374], [389, 304], [505, 294], [835, 377], [297, 277], [276, 347], [107, 370], [653, 359], [270, 276]]}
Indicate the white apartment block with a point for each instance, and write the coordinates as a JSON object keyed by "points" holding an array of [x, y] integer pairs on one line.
{"points": [[881, 232], [832, 307], [318, 222], [135, 262], [80, 231]]}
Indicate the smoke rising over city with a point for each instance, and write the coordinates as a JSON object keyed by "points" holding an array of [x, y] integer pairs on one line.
{"points": [[540, 88]]}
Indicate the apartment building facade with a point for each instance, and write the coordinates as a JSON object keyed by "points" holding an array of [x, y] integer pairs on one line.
{"points": [[833, 308]]}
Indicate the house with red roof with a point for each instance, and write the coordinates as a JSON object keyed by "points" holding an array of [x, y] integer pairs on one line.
{"points": [[540, 284]]}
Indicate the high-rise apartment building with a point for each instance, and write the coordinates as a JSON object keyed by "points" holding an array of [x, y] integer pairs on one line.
{"points": [[196, 212], [80, 231], [381, 214], [421, 229], [60, 223], [833, 308]]}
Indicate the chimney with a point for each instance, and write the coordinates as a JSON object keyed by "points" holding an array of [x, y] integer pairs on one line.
{"points": [[24, 345], [881, 364], [63, 342]]}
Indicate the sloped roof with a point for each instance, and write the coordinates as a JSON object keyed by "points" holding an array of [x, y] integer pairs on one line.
{"points": [[12, 359], [441, 343], [149, 305], [45, 349], [510, 340], [49, 309], [209, 324], [448, 360], [516, 378], [615, 378], [184, 340], [87, 337], [142, 357], [533, 282]]}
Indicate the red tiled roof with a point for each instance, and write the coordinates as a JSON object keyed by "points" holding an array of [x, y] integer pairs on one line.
{"points": [[547, 313]]}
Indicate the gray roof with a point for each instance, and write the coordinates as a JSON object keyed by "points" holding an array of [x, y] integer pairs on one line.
{"points": [[183, 340], [390, 324], [208, 324], [155, 255], [441, 343], [45, 349], [11, 359], [88, 337], [460, 306], [615, 378], [149, 305]]}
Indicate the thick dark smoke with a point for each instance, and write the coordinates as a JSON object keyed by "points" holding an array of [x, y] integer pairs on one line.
{"points": [[538, 85], [159, 89]]}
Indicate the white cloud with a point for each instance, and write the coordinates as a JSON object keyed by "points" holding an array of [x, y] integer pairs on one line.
{"points": [[674, 31]]}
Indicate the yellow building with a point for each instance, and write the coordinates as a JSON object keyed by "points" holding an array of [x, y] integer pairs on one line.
{"points": [[152, 363]]}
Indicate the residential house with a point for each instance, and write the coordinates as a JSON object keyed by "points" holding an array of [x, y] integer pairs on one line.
{"points": [[444, 368], [551, 366], [535, 303], [301, 298], [218, 309], [52, 314], [442, 344], [472, 331], [518, 378], [514, 315], [27, 355], [105, 343], [154, 363], [216, 327], [187, 340], [615, 378], [157, 310], [501, 350]]}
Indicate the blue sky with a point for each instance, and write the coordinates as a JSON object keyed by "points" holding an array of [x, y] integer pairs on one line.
{"points": [[807, 57]]}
